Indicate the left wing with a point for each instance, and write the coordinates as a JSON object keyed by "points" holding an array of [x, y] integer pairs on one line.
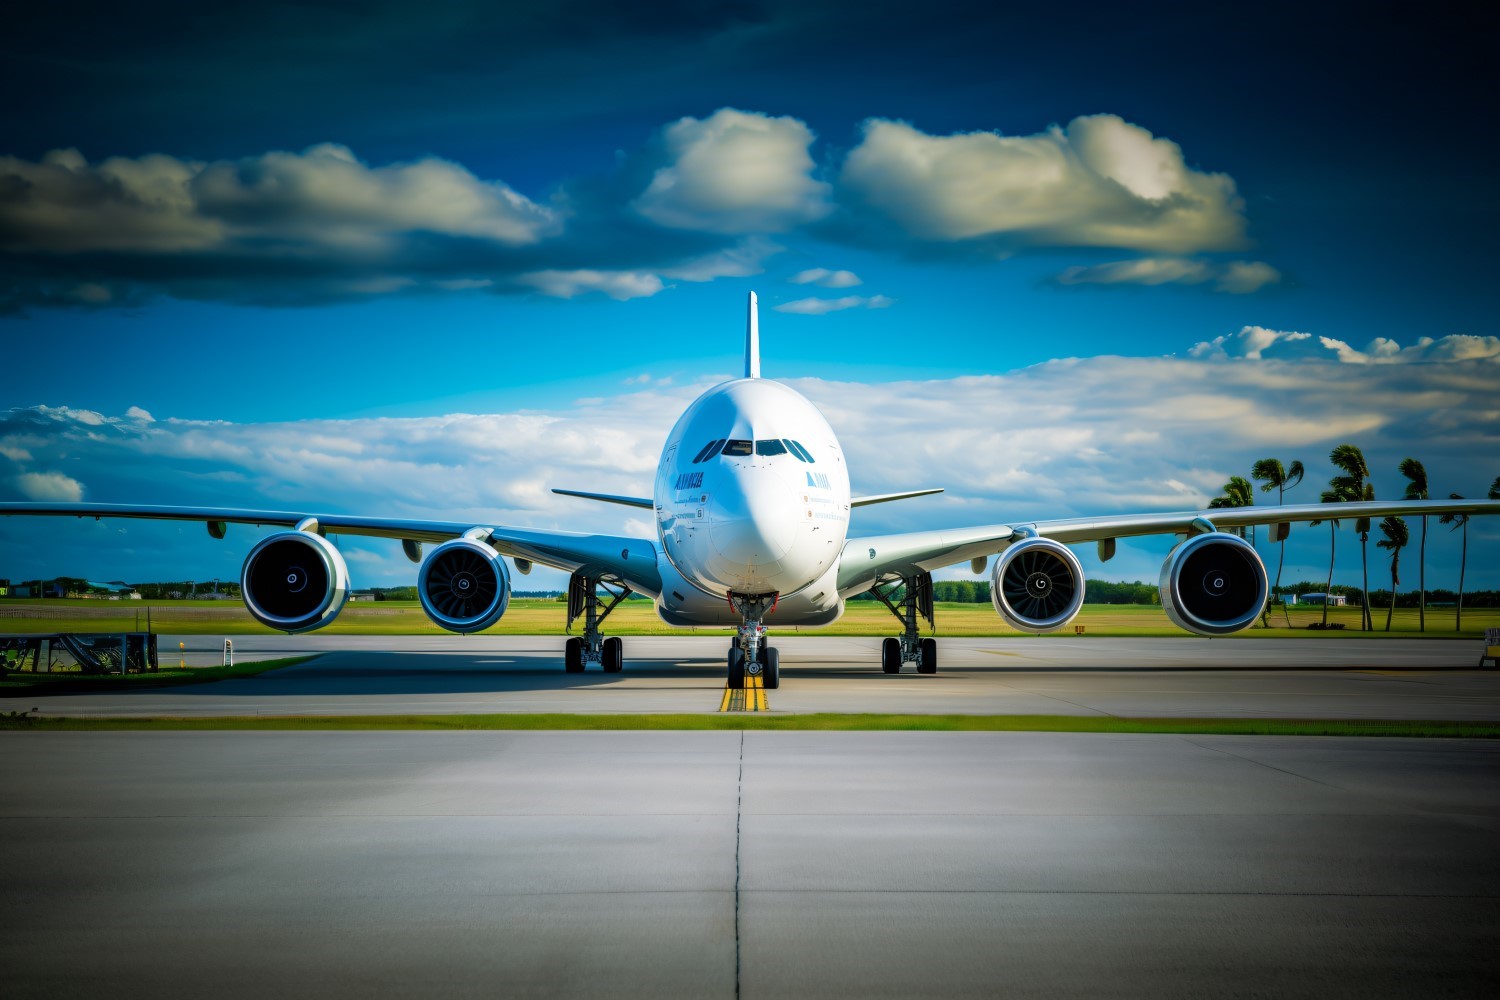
{"points": [[866, 560], [629, 560]]}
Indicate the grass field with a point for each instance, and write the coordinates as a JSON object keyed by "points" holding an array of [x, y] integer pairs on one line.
{"points": [[17, 683], [540, 616]]}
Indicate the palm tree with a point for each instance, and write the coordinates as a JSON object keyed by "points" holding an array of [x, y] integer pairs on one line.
{"points": [[1355, 481], [1459, 521], [1396, 537], [1276, 477], [1237, 493], [1338, 492], [1417, 490]]}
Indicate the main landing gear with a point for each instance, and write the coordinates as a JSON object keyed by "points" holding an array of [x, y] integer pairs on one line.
{"points": [[906, 597], [592, 646], [748, 654]]}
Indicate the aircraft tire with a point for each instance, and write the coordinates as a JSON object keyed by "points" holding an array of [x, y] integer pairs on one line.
{"points": [[928, 663], [573, 655], [770, 675], [890, 656], [737, 668], [614, 655]]}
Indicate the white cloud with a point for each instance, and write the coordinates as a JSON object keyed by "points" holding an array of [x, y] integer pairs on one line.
{"points": [[44, 486], [1235, 277], [735, 172], [1067, 437], [817, 307], [824, 278], [136, 413], [619, 285], [1256, 342], [322, 196], [1241, 277], [1099, 182]]}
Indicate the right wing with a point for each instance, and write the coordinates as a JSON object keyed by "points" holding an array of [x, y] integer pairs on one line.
{"points": [[866, 560], [614, 557]]}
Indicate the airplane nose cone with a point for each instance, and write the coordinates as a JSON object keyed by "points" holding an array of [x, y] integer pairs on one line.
{"points": [[758, 528]]}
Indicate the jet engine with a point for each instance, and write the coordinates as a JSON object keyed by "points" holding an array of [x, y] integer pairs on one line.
{"points": [[1037, 585], [464, 585], [294, 581], [1213, 584]]}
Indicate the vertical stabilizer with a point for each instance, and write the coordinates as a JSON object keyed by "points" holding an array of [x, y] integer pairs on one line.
{"points": [[752, 342]]}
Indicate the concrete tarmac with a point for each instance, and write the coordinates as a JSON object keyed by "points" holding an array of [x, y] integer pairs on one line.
{"points": [[696, 864], [1242, 677]]}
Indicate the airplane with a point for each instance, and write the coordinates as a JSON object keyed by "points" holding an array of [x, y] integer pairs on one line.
{"points": [[752, 505]]}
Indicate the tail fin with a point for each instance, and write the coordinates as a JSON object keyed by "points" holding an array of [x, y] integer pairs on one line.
{"points": [[752, 342]]}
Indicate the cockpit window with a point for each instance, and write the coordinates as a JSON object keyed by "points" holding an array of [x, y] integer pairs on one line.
{"points": [[769, 447], [800, 451], [709, 451], [739, 448]]}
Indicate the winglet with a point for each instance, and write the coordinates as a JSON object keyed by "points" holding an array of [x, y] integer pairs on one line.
{"points": [[752, 342]]}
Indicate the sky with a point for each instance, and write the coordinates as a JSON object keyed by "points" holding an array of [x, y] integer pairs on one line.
{"points": [[432, 260]]}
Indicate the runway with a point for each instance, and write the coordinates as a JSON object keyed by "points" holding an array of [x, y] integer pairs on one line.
{"points": [[759, 864], [1342, 678]]}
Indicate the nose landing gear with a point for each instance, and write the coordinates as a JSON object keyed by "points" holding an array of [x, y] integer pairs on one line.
{"points": [[749, 654], [592, 646], [906, 597]]}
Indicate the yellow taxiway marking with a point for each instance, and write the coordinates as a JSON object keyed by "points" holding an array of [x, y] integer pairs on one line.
{"points": [[750, 698]]}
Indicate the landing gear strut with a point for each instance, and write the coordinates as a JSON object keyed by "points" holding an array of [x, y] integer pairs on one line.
{"points": [[748, 654], [906, 597], [592, 646]]}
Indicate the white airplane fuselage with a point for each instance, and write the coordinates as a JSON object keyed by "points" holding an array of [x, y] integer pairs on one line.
{"points": [[751, 498]]}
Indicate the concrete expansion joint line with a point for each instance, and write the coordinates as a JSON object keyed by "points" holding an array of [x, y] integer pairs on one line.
{"points": [[1261, 763], [739, 799]]}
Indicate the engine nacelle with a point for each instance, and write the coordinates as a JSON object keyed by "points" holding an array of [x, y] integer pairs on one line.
{"points": [[464, 585], [1213, 584], [294, 581], [1037, 585]]}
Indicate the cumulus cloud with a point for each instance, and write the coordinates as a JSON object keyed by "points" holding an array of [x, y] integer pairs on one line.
{"points": [[1257, 342], [49, 486], [817, 307], [735, 172], [1099, 182], [322, 196], [824, 278], [1235, 277], [693, 203]]}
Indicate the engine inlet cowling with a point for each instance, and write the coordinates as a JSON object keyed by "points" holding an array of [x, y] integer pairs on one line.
{"points": [[294, 581], [464, 585], [1037, 585], [1213, 584]]}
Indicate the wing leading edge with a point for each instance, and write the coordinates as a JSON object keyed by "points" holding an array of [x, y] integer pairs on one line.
{"points": [[631, 560]]}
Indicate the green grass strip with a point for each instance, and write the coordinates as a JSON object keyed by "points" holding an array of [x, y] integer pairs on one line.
{"points": [[18, 683], [819, 721]]}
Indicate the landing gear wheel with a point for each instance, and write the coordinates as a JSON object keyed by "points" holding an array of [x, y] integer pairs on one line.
{"points": [[737, 668], [614, 655], [890, 656], [770, 675], [928, 663], [573, 655]]}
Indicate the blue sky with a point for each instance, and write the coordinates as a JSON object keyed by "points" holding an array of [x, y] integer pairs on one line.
{"points": [[305, 223]]}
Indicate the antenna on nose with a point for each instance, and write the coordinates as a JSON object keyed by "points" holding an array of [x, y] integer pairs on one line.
{"points": [[752, 341]]}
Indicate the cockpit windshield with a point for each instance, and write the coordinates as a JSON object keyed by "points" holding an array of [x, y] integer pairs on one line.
{"points": [[739, 448], [770, 447]]}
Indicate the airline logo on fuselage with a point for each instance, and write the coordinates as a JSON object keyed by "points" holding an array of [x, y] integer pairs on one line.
{"points": [[818, 481], [689, 480]]}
